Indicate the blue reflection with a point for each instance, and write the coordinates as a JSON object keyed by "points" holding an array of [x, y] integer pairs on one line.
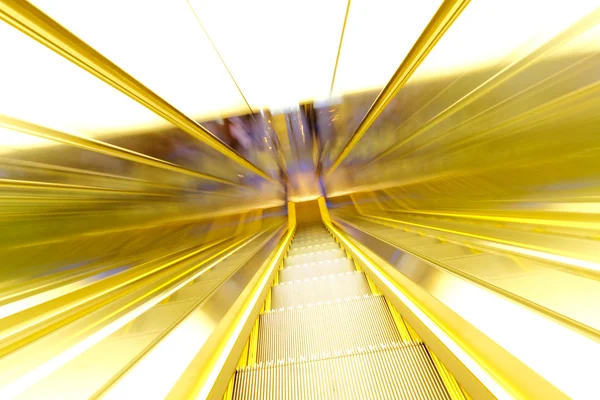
{"points": [[64, 268], [396, 256], [113, 271]]}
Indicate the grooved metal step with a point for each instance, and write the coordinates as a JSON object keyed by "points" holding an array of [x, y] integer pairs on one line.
{"points": [[326, 242], [311, 232], [310, 229], [329, 245], [315, 269], [308, 232], [325, 328], [307, 238], [314, 257], [312, 243], [319, 289], [397, 371], [312, 239]]}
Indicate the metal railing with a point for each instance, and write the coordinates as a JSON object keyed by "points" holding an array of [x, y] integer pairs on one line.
{"points": [[39, 26], [439, 24]]}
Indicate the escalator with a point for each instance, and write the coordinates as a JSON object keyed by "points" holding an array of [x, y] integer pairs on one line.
{"points": [[327, 332], [338, 309], [415, 215]]}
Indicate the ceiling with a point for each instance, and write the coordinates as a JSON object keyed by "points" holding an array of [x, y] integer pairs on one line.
{"points": [[214, 59]]}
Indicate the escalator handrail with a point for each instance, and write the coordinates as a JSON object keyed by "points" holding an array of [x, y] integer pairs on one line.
{"points": [[100, 147], [482, 366], [444, 17], [25, 17], [563, 319], [81, 332]]}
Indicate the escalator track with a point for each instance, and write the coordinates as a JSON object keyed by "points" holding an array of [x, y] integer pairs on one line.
{"points": [[326, 332]]}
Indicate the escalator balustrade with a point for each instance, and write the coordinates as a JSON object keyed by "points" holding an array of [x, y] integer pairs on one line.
{"points": [[329, 334]]}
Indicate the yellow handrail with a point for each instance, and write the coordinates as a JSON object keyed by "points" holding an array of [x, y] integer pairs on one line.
{"points": [[100, 147], [246, 315], [439, 24], [34, 23]]}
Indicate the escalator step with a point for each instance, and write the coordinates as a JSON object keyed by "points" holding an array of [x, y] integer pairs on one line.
{"points": [[315, 269], [313, 239], [314, 257], [298, 245], [304, 232], [319, 289], [324, 328], [314, 228], [319, 229], [330, 245], [403, 371]]}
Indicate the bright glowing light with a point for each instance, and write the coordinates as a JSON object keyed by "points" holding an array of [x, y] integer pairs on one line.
{"points": [[40, 86], [279, 52], [161, 44], [379, 34], [11, 140], [489, 32]]}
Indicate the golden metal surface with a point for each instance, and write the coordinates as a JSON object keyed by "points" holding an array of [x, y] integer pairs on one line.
{"points": [[488, 173], [303, 336], [56, 171], [100, 147], [291, 215], [513, 259], [180, 344], [575, 254], [52, 187], [323, 210], [569, 298], [208, 374], [577, 29], [78, 340], [467, 195], [35, 320], [510, 140], [439, 24], [31, 21], [337, 57], [428, 299], [69, 343]]}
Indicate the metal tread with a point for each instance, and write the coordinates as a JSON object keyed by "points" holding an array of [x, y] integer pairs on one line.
{"points": [[299, 281], [312, 263], [312, 241], [325, 327], [312, 236], [314, 256], [300, 246], [311, 232], [392, 371], [318, 303], [316, 269], [319, 289], [313, 248]]}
